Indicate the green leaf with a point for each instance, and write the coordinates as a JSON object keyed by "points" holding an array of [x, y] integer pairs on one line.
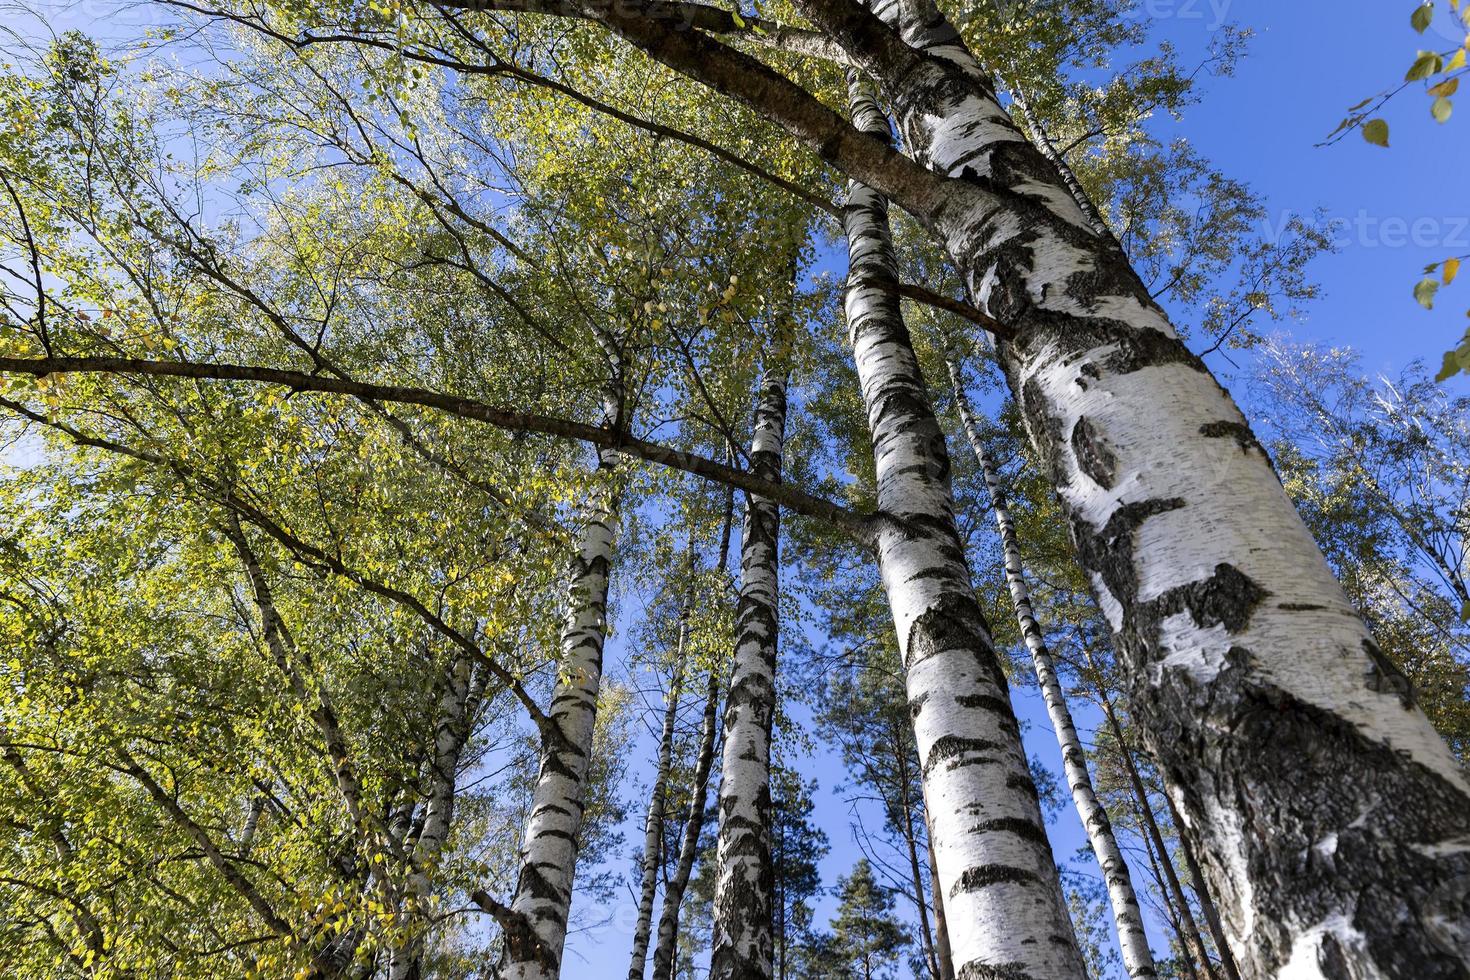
{"points": [[1422, 17], [1441, 109], [1465, 613], [735, 16], [1448, 370], [1375, 131], [1428, 63], [1424, 293]]}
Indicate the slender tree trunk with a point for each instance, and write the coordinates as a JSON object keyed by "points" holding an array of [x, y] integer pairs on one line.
{"points": [[1202, 892], [1138, 959], [942, 954], [666, 951], [1190, 929], [899, 736], [742, 930], [1006, 912], [535, 940], [926, 935], [1171, 910], [653, 825], [462, 690], [1331, 819]]}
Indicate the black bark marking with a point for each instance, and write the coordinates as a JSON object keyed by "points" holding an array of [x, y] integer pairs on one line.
{"points": [[1094, 457], [975, 970], [1238, 431], [1025, 829], [990, 875], [956, 751], [1227, 598]]}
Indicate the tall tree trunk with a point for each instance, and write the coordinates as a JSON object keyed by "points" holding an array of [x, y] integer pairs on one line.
{"points": [[536, 936], [653, 825], [1189, 928], [1331, 819], [942, 954], [665, 953], [1138, 959], [1202, 893], [462, 689], [1006, 912], [1171, 909], [926, 935], [742, 929]]}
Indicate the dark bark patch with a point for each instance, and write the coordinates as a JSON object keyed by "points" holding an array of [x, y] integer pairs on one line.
{"points": [[1227, 598], [1238, 431], [1094, 457], [955, 751], [975, 970], [1024, 829], [989, 875]]}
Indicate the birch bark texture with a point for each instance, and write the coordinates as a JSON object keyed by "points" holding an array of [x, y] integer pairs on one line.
{"points": [[742, 945], [536, 930], [1003, 900], [1332, 821], [1138, 959]]}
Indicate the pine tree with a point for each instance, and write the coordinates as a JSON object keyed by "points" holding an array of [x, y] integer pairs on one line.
{"points": [[867, 938]]}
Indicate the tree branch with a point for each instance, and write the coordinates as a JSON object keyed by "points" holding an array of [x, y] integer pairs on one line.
{"points": [[508, 419]]}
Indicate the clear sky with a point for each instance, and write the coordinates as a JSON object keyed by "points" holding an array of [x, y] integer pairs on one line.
{"points": [[1396, 210]]}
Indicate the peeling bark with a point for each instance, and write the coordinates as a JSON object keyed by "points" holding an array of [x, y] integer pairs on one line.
{"points": [[1003, 899]]}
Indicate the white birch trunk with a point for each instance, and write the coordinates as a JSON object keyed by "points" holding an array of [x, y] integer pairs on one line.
{"points": [[1003, 899], [451, 731], [742, 943], [653, 824], [535, 940], [1138, 959], [1331, 819]]}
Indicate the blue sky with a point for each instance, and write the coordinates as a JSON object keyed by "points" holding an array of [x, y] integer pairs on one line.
{"points": [[1396, 210]]}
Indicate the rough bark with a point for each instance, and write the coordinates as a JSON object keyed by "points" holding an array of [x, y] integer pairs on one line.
{"points": [[536, 929], [1005, 909], [1138, 959], [1333, 823], [742, 942], [653, 824]]}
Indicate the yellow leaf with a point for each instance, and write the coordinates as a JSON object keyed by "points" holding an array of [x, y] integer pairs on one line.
{"points": [[1451, 269]]}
